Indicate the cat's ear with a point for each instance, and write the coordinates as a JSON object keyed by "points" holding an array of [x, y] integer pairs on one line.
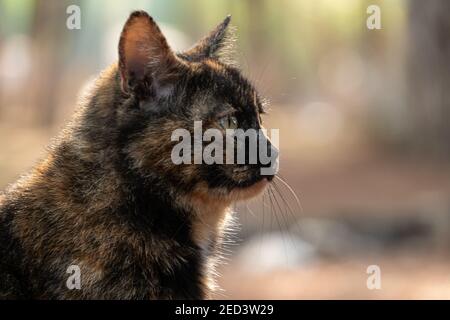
{"points": [[217, 44], [146, 62]]}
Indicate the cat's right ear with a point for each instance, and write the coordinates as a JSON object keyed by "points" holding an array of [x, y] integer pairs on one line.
{"points": [[146, 62], [218, 44]]}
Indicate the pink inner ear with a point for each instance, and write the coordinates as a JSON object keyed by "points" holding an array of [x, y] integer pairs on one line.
{"points": [[136, 47], [142, 47], [144, 53]]}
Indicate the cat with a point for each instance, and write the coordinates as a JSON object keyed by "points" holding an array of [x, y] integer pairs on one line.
{"points": [[108, 200]]}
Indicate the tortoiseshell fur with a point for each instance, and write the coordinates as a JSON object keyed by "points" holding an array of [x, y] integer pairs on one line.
{"points": [[108, 198]]}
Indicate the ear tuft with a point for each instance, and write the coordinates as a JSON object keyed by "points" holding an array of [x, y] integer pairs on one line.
{"points": [[217, 45], [144, 55]]}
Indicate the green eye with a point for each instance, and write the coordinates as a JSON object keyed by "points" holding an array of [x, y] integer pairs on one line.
{"points": [[228, 122]]}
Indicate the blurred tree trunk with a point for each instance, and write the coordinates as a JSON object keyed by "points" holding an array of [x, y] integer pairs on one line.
{"points": [[49, 34], [429, 76]]}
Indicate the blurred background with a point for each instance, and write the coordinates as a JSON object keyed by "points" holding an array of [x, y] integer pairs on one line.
{"points": [[363, 118]]}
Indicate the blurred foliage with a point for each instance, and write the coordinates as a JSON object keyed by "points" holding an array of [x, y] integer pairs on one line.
{"points": [[298, 52]]}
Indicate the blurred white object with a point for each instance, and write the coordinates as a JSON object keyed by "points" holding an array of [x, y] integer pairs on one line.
{"points": [[275, 250], [15, 62]]}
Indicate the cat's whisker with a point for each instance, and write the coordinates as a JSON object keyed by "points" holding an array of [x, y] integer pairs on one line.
{"points": [[291, 190], [292, 216], [290, 210], [250, 210], [283, 216], [280, 228]]}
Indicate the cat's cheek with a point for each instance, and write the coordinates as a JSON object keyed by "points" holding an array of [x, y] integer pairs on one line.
{"points": [[249, 192]]}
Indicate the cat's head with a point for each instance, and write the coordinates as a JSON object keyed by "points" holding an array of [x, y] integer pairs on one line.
{"points": [[168, 93]]}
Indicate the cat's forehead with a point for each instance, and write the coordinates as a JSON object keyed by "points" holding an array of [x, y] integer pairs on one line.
{"points": [[224, 85]]}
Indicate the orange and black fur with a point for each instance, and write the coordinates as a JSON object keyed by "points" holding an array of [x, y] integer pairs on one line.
{"points": [[108, 198]]}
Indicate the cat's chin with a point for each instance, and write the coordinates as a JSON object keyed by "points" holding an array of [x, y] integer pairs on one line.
{"points": [[203, 194], [245, 193]]}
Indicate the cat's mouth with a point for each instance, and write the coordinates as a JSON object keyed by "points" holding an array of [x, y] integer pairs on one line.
{"points": [[250, 190]]}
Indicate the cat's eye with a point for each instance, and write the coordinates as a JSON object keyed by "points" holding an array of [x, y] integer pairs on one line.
{"points": [[228, 122]]}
